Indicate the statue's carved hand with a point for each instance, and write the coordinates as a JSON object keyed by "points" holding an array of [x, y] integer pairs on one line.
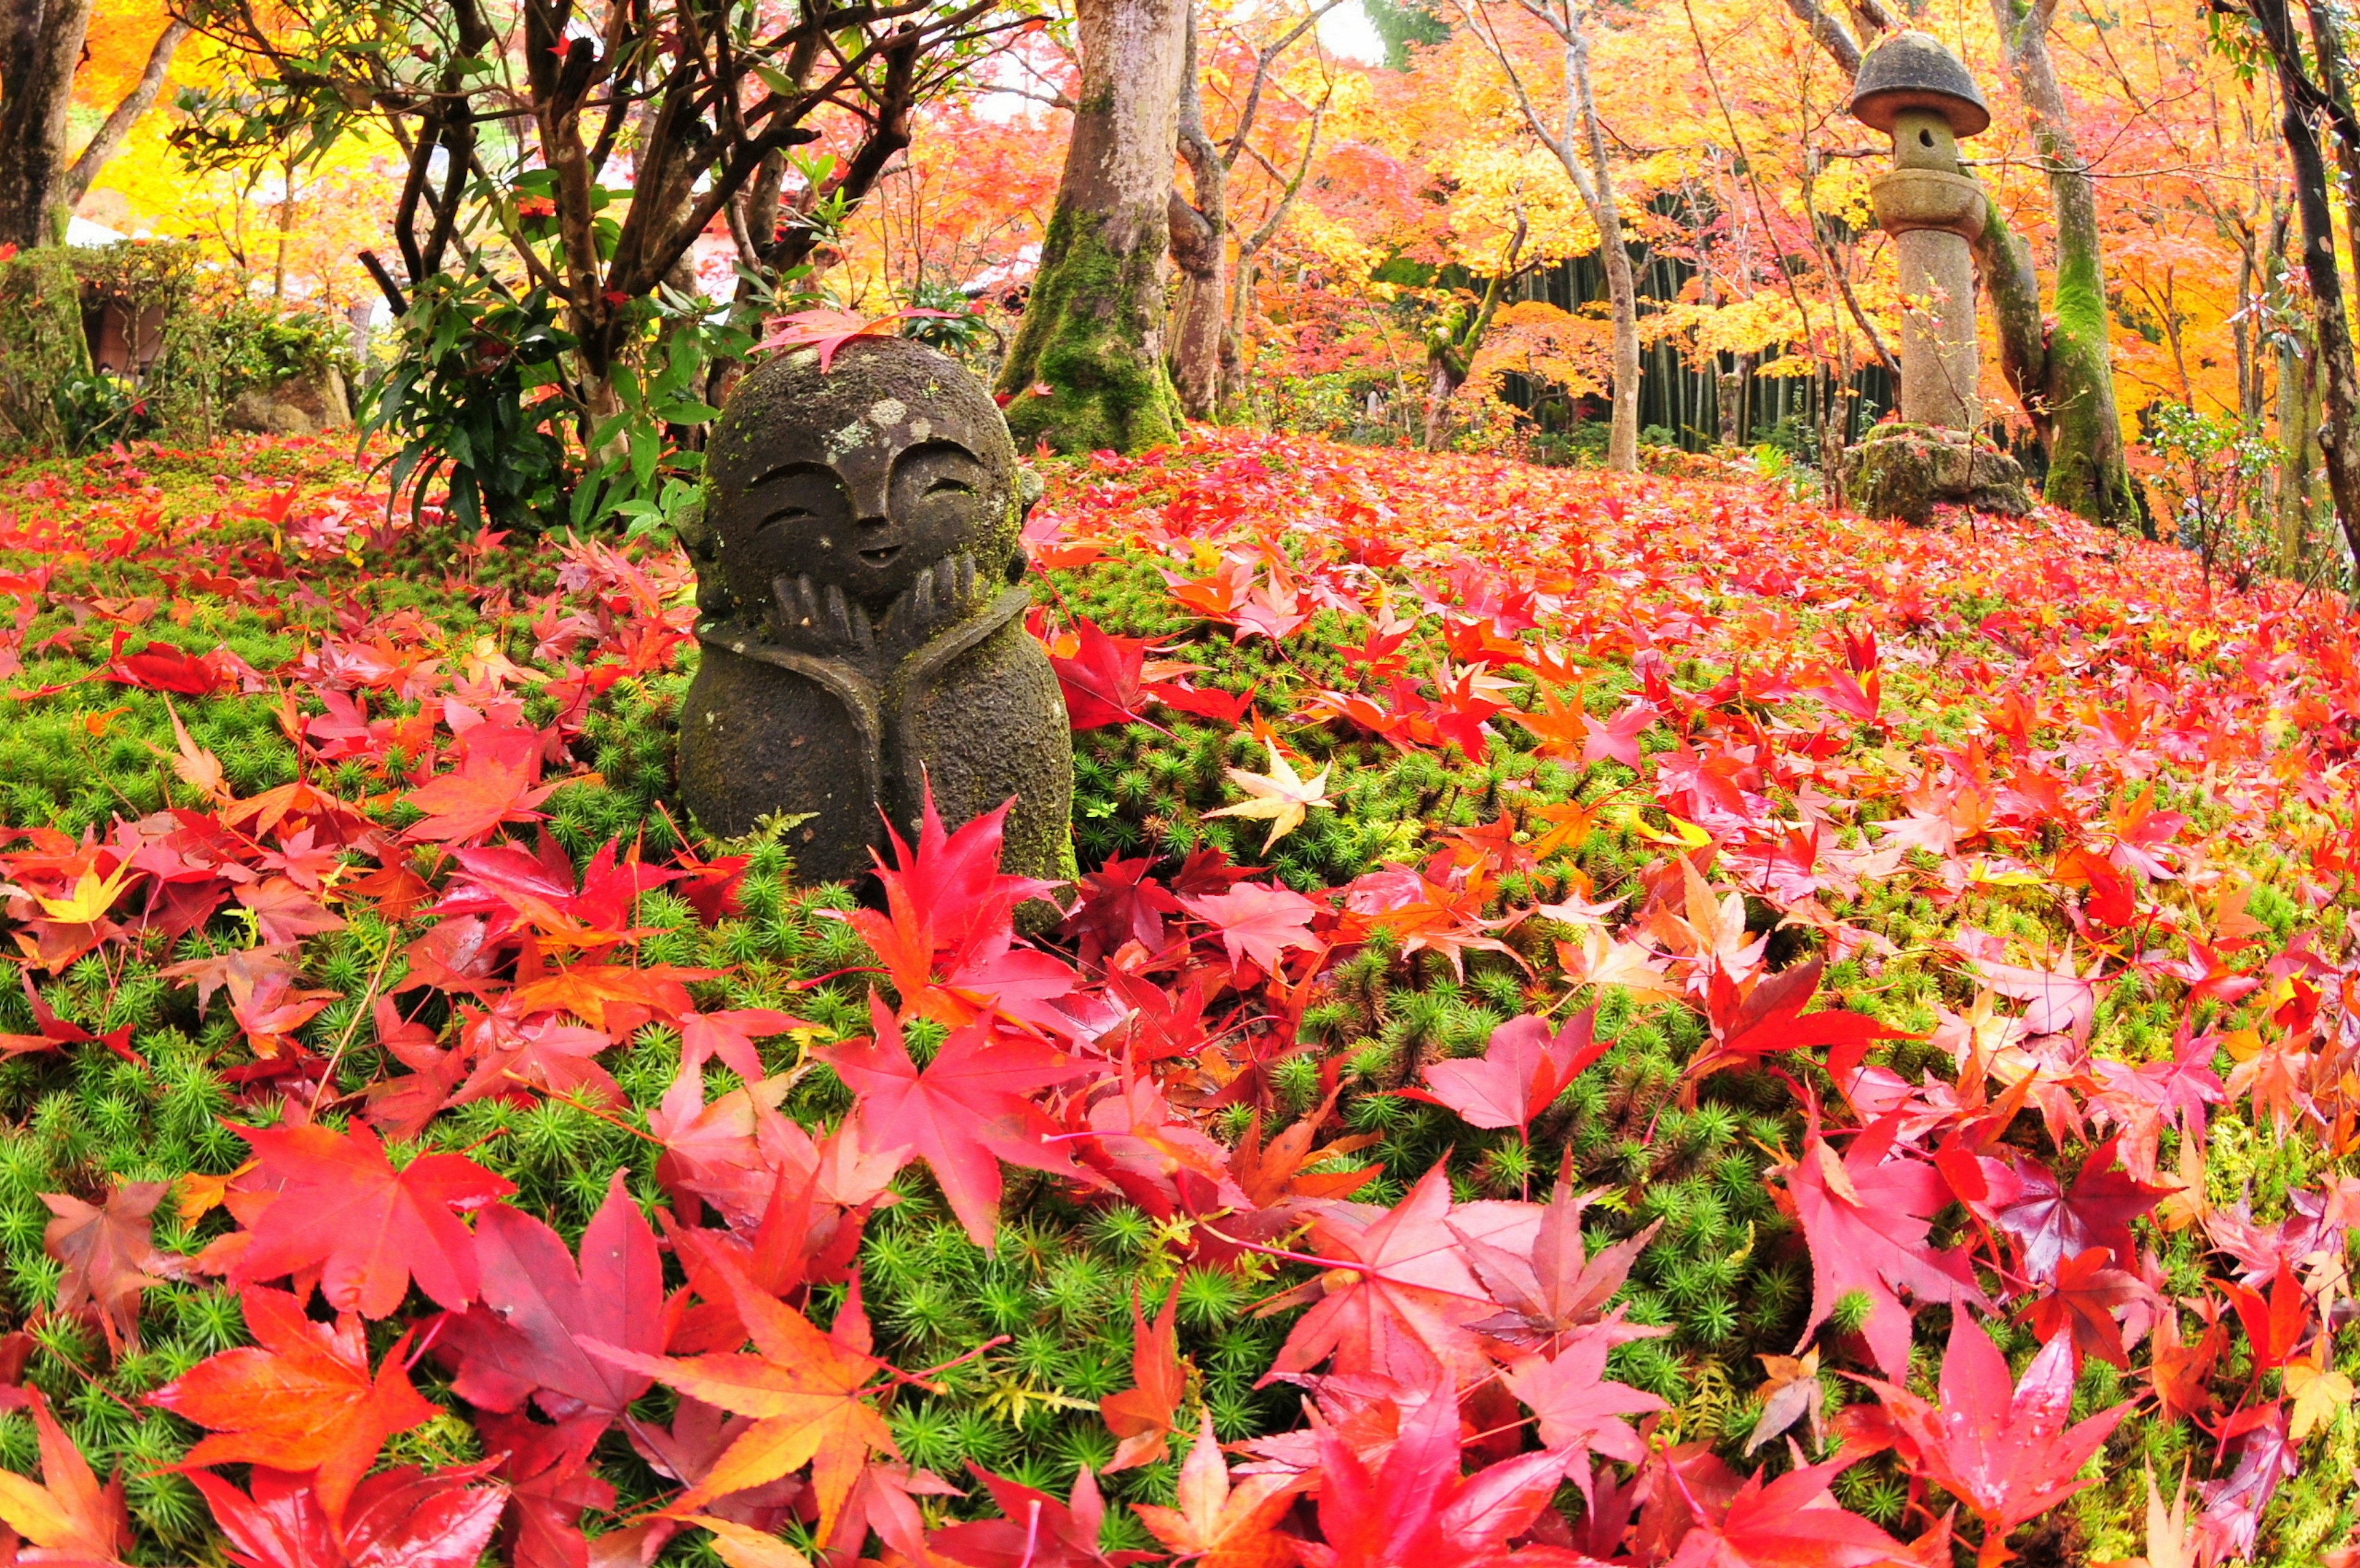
{"points": [[944, 595], [820, 620]]}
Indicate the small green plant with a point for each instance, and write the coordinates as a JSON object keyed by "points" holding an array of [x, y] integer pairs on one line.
{"points": [[97, 408], [2211, 479]]}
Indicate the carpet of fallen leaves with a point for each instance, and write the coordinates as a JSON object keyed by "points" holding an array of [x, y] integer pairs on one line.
{"points": [[1604, 1020]]}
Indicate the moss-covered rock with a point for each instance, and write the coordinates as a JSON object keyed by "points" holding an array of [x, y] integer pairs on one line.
{"points": [[1905, 470]]}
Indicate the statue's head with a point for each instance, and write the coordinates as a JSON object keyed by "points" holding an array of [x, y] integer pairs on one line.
{"points": [[861, 476]]}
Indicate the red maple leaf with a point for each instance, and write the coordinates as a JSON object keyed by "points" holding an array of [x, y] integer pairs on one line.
{"points": [[2082, 1302], [730, 1035], [109, 1255], [160, 666], [523, 1339], [1120, 903], [342, 1209], [1790, 1522], [301, 1398], [1866, 1218], [398, 1518], [829, 331], [947, 936], [2051, 1222], [1102, 680], [2274, 1323], [1399, 1299], [1140, 1416], [2009, 1454], [1578, 1410], [498, 780], [1748, 1023], [1555, 1288], [1520, 1073], [1417, 1507], [1035, 1529], [1258, 924], [67, 1517], [963, 1114]]}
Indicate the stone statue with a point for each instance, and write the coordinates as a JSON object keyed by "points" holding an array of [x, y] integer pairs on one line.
{"points": [[1915, 90], [860, 606]]}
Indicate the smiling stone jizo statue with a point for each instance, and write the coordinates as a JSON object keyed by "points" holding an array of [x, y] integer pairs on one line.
{"points": [[861, 600]]}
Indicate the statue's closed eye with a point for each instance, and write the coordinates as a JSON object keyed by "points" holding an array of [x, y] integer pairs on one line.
{"points": [[789, 515], [946, 485]]}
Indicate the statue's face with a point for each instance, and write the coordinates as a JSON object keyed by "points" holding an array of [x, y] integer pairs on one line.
{"points": [[869, 521], [858, 492]]}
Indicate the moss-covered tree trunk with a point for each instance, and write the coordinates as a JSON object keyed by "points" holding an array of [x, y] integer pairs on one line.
{"points": [[2088, 473], [1086, 368]]}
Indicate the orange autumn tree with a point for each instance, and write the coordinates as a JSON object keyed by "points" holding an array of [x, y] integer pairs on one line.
{"points": [[53, 60]]}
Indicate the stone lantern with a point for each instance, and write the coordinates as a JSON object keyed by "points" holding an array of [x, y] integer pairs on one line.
{"points": [[1915, 90]]}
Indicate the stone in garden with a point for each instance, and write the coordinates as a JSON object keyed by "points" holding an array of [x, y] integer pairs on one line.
{"points": [[1915, 90], [297, 406], [861, 607], [1901, 471]]}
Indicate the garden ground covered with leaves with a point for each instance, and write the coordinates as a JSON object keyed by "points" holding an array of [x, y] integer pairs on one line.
{"points": [[1605, 1018]]}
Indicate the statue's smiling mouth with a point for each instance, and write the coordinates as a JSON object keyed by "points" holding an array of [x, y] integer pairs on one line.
{"points": [[882, 555]]}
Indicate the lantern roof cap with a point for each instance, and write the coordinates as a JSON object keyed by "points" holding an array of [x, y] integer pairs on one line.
{"points": [[1915, 70]]}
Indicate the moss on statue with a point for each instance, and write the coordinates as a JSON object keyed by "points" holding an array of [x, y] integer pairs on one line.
{"points": [[1091, 336]]}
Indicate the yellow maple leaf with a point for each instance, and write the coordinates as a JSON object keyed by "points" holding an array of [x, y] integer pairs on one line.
{"points": [[1282, 796], [90, 897], [2318, 1395]]}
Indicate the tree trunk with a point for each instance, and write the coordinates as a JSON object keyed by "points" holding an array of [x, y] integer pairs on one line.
{"points": [[1086, 370], [2088, 475], [1606, 213], [1200, 240], [2297, 437], [2339, 439], [38, 55]]}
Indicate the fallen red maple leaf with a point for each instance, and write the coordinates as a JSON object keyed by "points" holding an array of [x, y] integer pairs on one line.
{"points": [[524, 1338], [498, 780], [1258, 924], [1865, 1216], [963, 1114], [1555, 1288], [301, 1398], [160, 666], [1140, 1416], [67, 1516], [1215, 1524], [804, 1388], [1035, 1529], [1400, 1300], [947, 931], [1520, 1073], [2081, 1304], [109, 1255], [342, 1209], [2052, 1222], [1417, 1507], [396, 1519], [1102, 680], [828, 331], [1791, 1522], [2009, 1452], [1750, 1023], [2274, 1324]]}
